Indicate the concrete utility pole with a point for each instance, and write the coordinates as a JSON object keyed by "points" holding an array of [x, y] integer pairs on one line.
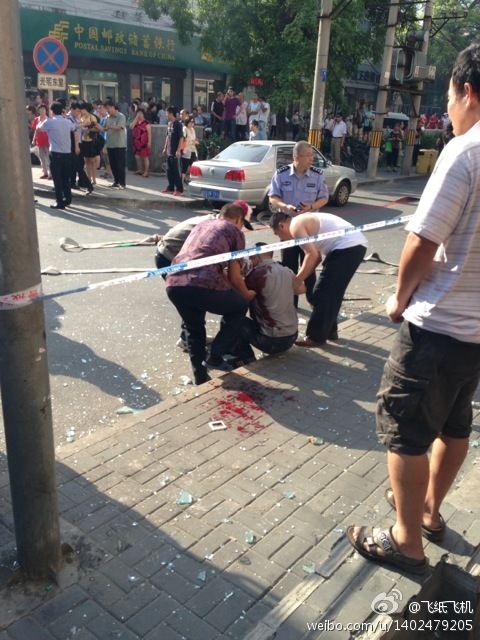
{"points": [[417, 97], [320, 80], [23, 359], [380, 109]]}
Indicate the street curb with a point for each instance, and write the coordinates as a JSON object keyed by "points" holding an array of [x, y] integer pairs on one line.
{"points": [[389, 180], [137, 203], [151, 203]]}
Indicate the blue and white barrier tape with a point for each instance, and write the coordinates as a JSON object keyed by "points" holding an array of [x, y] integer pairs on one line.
{"points": [[34, 294]]}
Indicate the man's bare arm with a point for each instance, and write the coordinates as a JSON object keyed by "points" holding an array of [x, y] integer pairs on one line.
{"points": [[237, 282], [415, 262], [279, 204]]}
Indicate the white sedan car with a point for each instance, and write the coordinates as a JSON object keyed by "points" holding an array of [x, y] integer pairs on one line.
{"points": [[243, 171]]}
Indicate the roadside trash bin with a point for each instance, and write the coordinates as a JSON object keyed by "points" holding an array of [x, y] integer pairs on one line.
{"points": [[426, 160]]}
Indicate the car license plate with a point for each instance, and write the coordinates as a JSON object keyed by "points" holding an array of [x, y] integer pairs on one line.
{"points": [[212, 194]]}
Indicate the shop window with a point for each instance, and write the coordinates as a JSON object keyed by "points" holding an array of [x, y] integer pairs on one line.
{"points": [[201, 91], [157, 88]]}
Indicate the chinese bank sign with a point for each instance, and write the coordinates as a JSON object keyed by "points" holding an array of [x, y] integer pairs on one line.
{"points": [[85, 37]]}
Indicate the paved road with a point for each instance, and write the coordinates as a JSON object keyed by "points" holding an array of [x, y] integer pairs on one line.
{"points": [[114, 348]]}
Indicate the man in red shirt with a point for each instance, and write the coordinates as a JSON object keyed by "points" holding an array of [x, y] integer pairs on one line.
{"points": [[229, 122], [209, 289]]}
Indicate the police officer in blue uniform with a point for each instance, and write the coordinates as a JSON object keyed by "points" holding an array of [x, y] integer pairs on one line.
{"points": [[298, 188]]}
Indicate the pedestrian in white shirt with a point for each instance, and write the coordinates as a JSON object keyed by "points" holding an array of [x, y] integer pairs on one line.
{"points": [[338, 136], [263, 114], [241, 118]]}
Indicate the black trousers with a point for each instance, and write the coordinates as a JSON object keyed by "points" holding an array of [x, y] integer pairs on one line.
{"points": [[160, 262], [338, 268], [250, 335], [241, 131], [173, 174], [61, 169], [118, 160], [292, 258], [78, 166], [192, 303]]}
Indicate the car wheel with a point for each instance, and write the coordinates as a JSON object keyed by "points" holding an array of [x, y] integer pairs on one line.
{"points": [[342, 194], [263, 206], [213, 204]]}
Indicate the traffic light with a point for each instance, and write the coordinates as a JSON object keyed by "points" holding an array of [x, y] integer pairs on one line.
{"points": [[398, 66], [409, 65], [418, 70]]}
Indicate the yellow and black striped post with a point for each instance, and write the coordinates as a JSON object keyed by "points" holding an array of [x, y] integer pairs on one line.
{"points": [[411, 137], [315, 137], [376, 139]]}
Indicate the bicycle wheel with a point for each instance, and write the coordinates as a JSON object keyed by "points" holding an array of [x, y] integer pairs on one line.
{"points": [[360, 163]]}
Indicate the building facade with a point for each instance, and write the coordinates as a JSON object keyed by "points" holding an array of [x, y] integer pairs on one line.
{"points": [[115, 51]]}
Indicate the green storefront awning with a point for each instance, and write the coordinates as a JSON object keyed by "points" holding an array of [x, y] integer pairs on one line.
{"points": [[90, 38]]}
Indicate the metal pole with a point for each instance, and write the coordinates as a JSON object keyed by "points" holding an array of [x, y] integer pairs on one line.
{"points": [[380, 110], [417, 97], [23, 359], [320, 79]]}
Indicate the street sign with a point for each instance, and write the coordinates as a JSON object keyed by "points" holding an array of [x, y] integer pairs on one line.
{"points": [[49, 81], [50, 56]]}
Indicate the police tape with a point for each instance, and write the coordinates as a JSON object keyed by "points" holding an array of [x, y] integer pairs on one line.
{"points": [[34, 294]]}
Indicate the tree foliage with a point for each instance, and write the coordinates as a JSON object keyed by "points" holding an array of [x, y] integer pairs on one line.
{"points": [[277, 39], [456, 25]]}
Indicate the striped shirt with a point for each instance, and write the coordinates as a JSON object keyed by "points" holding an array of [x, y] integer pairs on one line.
{"points": [[448, 299]]}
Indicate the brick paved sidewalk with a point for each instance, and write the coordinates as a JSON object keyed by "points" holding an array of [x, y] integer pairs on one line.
{"points": [[260, 550]]}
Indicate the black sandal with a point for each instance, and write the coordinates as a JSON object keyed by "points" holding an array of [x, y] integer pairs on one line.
{"points": [[432, 534], [377, 539]]}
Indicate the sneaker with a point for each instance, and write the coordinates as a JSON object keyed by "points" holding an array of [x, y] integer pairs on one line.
{"points": [[181, 344], [166, 191], [201, 378], [115, 185], [122, 186], [217, 362], [178, 193]]}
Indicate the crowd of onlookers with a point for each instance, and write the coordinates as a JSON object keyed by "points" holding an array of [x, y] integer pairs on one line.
{"points": [[358, 126], [229, 116]]}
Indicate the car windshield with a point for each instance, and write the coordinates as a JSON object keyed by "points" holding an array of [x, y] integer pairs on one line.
{"points": [[244, 152]]}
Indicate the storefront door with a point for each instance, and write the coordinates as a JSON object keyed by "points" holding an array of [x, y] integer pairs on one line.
{"points": [[99, 90]]}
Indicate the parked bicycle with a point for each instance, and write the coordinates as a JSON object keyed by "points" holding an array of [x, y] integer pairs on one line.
{"points": [[354, 154]]}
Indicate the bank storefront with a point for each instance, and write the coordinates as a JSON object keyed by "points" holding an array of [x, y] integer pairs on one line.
{"points": [[113, 59]]}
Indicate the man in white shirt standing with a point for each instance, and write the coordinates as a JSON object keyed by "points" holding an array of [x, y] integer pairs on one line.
{"points": [[340, 257], [263, 115], [430, 377], [339, 132]]}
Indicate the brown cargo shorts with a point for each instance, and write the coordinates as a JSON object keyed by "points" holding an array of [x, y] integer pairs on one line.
{"points": [[426, 390]]}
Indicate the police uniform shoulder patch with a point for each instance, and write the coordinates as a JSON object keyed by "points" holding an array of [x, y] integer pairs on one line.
{"points": [[284, 168], [316, 170]]}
